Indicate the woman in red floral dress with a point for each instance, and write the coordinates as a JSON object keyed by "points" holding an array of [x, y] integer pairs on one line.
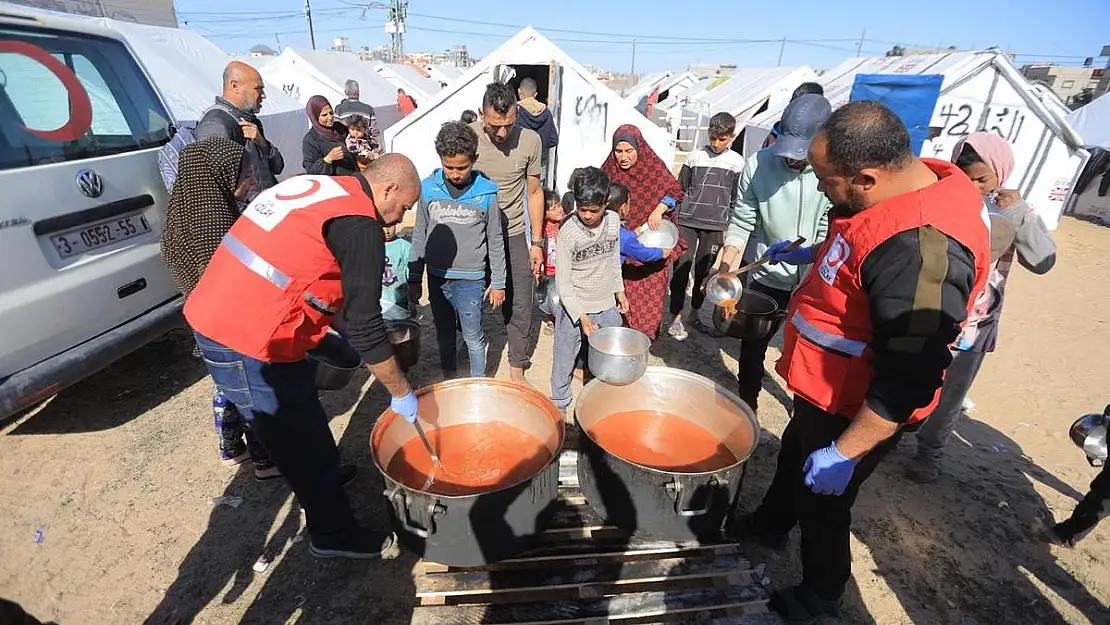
{"points": [[654, 193]]}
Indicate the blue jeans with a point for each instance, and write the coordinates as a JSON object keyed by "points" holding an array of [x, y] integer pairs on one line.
{"points": [[458, 300], [280, 403]]}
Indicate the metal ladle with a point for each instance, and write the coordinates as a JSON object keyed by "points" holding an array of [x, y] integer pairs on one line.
{"points": [[436, 464], [727, 285]]}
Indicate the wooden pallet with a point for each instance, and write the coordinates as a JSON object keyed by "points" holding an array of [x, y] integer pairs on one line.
{"points": [[588, 573]]}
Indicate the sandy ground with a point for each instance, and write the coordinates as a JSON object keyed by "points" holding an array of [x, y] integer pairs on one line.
{"points": [[107, 508]]}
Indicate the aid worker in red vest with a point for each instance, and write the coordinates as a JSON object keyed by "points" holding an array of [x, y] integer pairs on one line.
{"points": [[301, 251], [867, 335]]}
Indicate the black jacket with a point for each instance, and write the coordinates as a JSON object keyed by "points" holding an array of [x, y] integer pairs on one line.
{"points": [[222, 120], [315, 147]]}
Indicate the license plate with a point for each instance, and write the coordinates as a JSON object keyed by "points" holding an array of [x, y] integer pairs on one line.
{"points": [[98, 235]]}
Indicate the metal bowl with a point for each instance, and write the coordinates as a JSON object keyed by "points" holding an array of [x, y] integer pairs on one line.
{"points": [[547, 296], [723, 287], [335, 362], [1089, 434], [666, 237], [404, 336], [618, 356]]}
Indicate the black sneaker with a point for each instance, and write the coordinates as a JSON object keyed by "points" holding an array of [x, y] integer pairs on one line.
{"points": [[358, 544], [347, 474]]}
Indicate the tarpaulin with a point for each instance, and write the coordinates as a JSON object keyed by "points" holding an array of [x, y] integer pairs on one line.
{"points": [[911, 97]]}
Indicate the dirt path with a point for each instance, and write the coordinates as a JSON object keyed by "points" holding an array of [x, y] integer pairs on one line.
{"points": [[119, 474]]}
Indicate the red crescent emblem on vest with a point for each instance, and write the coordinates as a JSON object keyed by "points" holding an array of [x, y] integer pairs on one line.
{"points": [[80, 108], [835, 255], [313, 187]]}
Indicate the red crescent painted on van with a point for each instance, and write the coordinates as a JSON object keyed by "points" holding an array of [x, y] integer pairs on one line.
{"points": [[80, 108]]}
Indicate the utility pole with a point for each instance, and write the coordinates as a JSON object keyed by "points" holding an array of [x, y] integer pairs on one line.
{"points": [[277, 39], [395, 27], [308, 16], [632, 72], [859, 46], [782, 48]]}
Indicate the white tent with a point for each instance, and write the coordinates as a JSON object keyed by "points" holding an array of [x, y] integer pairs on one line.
{"points": [[644, 87], [745, 94], [301, 74], [981, 90], [1092, 122], [444, 74], [406, 77], [586, 111]]}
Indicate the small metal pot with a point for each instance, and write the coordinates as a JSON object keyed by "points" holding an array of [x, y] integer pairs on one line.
{"points": [[753, 317], [671, 505], [666, 237], [335, 362], [404, 336], [618, 356], [1089, 434], [547, 296]]}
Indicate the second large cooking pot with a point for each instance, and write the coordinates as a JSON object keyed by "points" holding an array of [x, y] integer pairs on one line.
{"points": [[753, 317], [498, 443], [664, 455]]}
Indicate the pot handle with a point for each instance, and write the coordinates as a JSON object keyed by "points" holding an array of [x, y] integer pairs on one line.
{"points": [[681, 502], [400, 505]]}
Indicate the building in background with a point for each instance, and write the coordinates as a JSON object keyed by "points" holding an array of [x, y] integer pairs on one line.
{"points": [[261, 51], [340, 44], [152, 12], [1076, 86]]}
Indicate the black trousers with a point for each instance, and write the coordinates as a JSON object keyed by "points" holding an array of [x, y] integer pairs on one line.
{"points": [[749, 374], [1095, 506], [825, 519], [701, 251], [519, 302]]}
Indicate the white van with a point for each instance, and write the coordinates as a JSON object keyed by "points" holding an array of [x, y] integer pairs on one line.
{"points": [[82, 205]]}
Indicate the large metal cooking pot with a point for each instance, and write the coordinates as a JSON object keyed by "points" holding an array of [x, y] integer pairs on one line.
{"points": [[335, 362], [753, 317], [618, 355], [671, 505], [404, 336], [474, 529], [1089, 434]]}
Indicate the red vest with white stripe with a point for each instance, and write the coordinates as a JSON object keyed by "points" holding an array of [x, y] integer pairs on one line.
{"points": [[272, 287], [825, 358]]}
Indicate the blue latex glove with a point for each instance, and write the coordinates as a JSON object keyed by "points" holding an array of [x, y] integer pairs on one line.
{"points": [[405, 406], [827, 471], [799, 256]]}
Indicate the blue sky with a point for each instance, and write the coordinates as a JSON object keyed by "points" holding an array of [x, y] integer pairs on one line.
{"points": [[672, 33]]}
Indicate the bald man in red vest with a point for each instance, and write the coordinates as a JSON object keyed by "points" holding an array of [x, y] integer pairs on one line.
{"points": [[301, 252]]}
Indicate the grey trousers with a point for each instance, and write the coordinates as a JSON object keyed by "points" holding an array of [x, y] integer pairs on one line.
{"points": [[939, 425], [568, 342]]}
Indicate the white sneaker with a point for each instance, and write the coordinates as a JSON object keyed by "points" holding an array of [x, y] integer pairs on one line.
{"points": [[677, 330]]}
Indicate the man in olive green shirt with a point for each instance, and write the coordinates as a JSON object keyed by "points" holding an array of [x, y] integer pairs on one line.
{"points": [[510, 156]]}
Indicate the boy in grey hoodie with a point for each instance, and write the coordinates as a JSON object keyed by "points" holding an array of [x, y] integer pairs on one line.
{"points": [[458, 234], [777, 199]]}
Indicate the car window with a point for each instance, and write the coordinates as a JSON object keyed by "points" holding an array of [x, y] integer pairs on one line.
{"points": [[67, 97]]}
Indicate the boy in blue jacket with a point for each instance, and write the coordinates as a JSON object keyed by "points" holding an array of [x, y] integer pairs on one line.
{"points": [[457, 235], [631, 248]]}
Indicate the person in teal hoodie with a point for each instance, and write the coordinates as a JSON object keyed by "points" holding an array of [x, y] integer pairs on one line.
{"points": [[458, 236], [777, 199]]}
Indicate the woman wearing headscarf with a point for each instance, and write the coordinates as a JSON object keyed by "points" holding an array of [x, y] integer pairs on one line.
{"points": [[654, 192], [212, 177], [1016, 229], [325, 144]]}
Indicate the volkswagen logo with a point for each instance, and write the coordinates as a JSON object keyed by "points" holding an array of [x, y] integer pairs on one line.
{"points": [[90, 183]]}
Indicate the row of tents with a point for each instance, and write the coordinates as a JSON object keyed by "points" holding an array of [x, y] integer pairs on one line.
{"points": [[980, 90]]}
